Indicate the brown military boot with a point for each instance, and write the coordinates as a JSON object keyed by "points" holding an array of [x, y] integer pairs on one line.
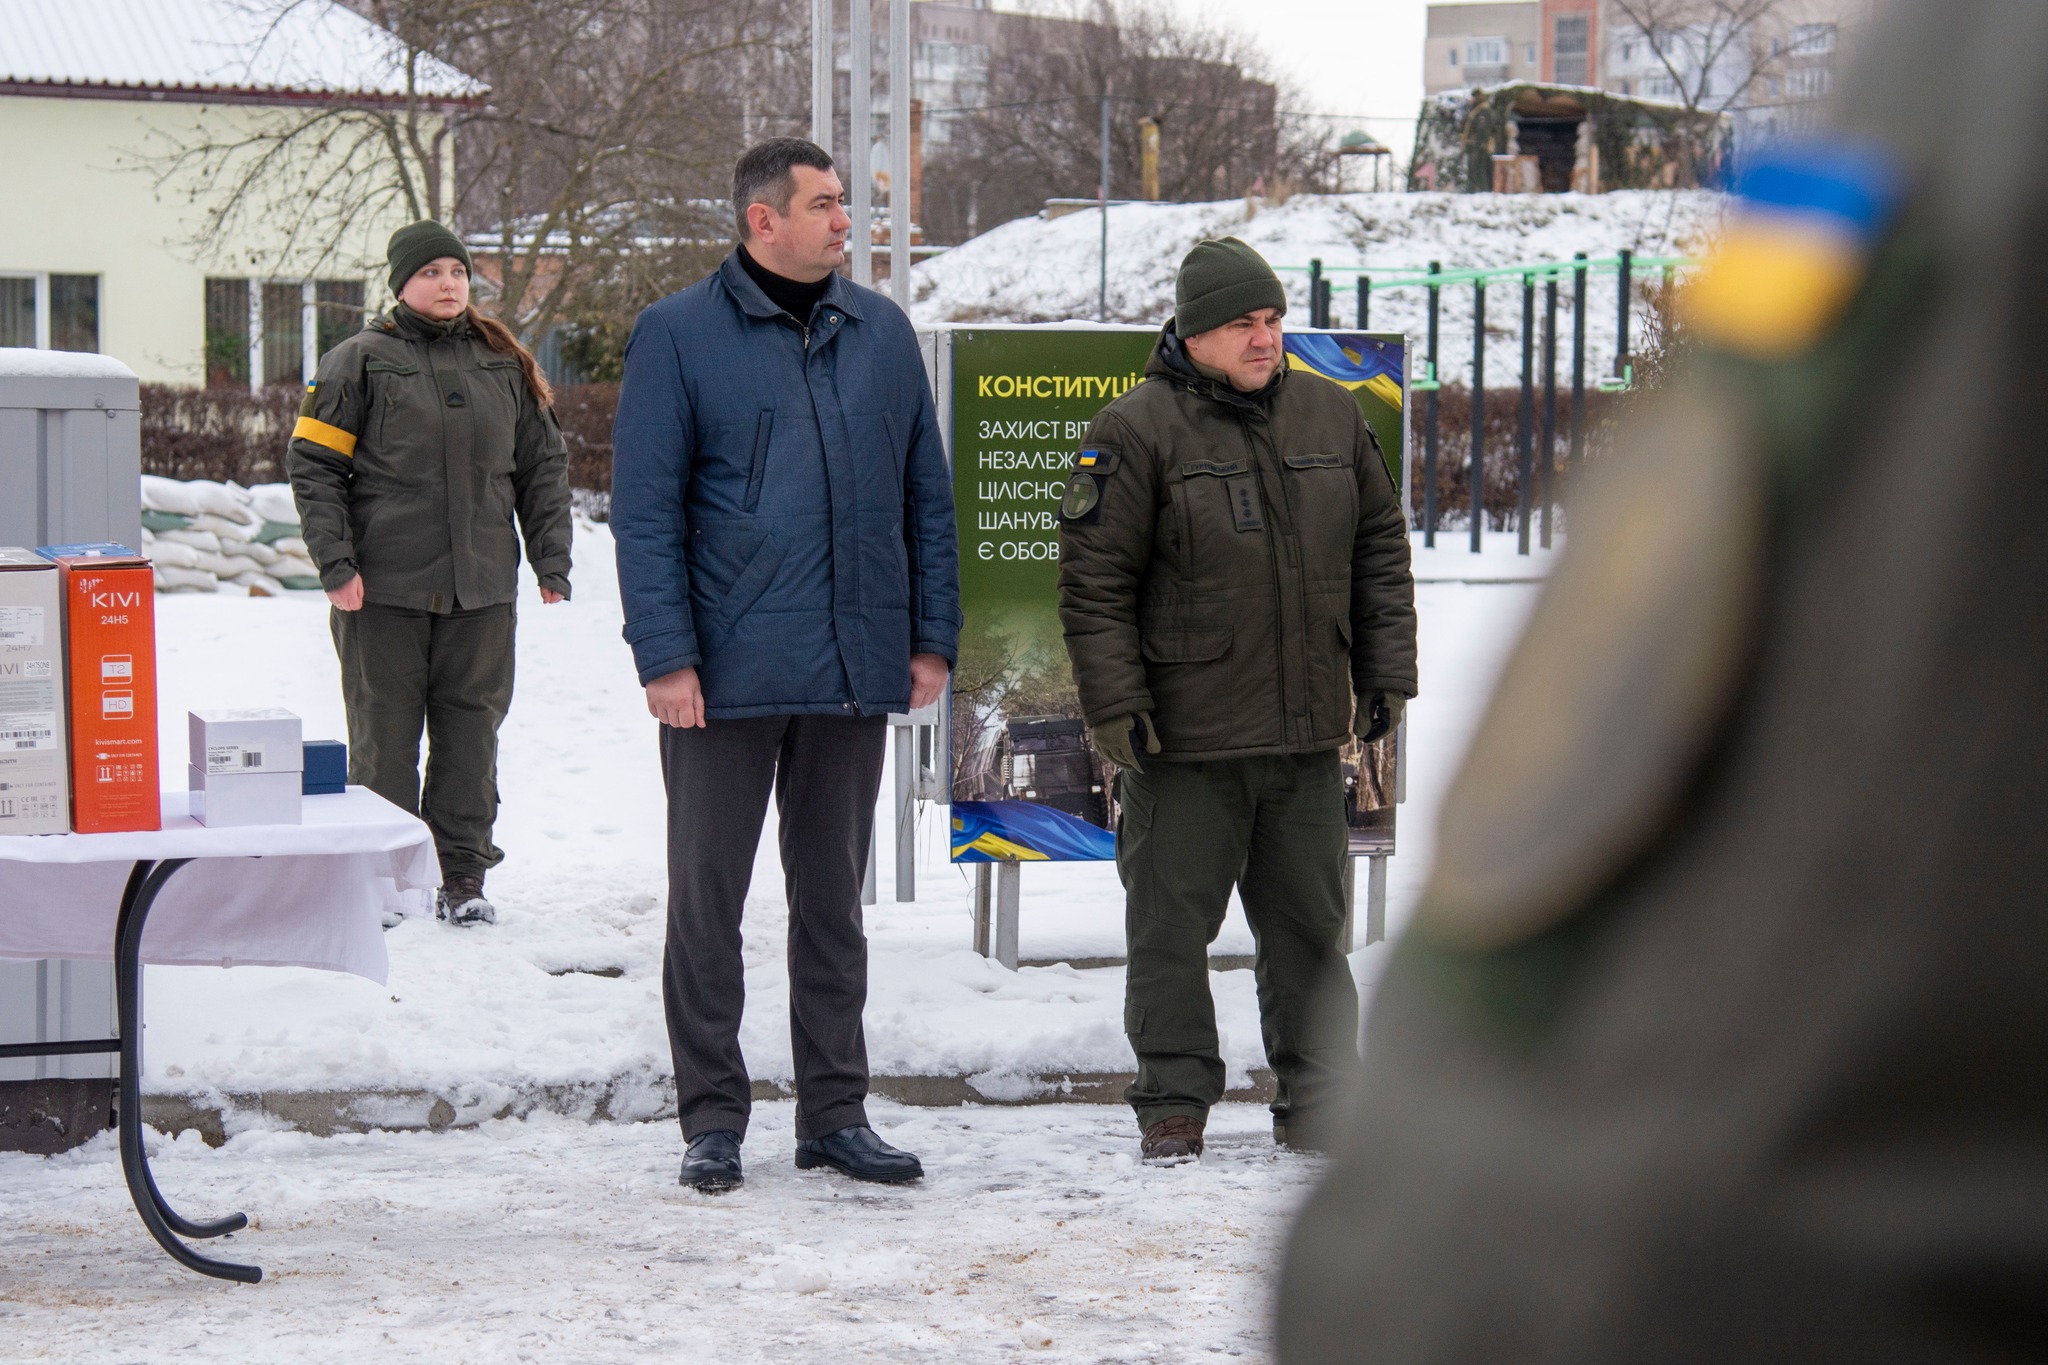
{"points": [[1170, 1142]]}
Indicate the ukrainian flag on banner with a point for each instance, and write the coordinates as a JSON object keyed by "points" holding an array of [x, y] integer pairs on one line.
{"points": [[1025, 832], [1352, 359]]}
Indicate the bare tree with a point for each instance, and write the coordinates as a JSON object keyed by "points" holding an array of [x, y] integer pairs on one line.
{"points": [[1039, 135], [589, 141], [1711, 56]]}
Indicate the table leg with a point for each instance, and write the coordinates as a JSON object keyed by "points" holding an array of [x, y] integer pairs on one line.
{"points": [[164, 1223]]}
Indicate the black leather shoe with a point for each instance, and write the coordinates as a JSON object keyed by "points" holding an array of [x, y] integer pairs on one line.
{"points": [[711, 1163], [859, 1153]]}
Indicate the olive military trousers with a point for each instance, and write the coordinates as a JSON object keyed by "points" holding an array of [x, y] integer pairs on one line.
{"points": [[450, 673], [1274, 828]]}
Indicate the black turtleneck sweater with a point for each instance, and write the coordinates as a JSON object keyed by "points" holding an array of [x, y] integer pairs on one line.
{"points": [[793, 297]]}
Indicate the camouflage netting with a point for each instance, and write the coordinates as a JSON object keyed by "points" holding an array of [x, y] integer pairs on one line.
{"points": [[1642, 144]]}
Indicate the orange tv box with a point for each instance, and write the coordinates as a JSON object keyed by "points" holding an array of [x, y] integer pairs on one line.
{"points": [[109, 598]]}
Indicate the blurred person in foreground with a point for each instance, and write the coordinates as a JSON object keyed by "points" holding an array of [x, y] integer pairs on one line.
{"points": [[1236, 600], [1719, 1032], [784, 518], [421, 438]]}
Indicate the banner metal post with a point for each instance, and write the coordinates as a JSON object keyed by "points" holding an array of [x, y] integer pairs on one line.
{"points": [[1527, 416], [861, 134], [1478, 468]]}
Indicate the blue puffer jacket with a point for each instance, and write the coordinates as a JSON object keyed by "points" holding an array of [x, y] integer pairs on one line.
{"points": [[781, 502]]}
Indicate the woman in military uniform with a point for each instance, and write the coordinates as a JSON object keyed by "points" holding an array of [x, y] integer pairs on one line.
{"points": [[421, 439]]}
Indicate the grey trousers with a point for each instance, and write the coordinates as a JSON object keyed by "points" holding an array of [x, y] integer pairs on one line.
{"points": [[825, 773]]}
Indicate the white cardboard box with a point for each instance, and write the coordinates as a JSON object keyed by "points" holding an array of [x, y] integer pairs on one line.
{"points": [[236, 798], [35, 756], [260, 741]]}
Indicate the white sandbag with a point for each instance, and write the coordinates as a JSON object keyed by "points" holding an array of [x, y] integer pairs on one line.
{"points": [[259, 584], [253, 549], [172, 578], [229, 566], [206, 542], [225, 526], [225, 500], [274, 502], [294, 566], [173, 553], [168, 495], [291, 545]]}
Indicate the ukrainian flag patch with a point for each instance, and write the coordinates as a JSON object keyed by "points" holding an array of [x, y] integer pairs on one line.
{"points": [[1089, 459], [1807, 222]]}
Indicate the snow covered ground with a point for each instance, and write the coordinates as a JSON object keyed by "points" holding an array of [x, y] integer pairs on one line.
{"points": [[1034, 1234], [559, 1005], [547, 1237], [1040, 270]]}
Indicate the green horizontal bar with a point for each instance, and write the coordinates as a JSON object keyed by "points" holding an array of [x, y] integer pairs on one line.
{"points": [[1412, 277]]}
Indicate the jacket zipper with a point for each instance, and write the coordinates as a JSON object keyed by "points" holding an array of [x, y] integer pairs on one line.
{"points": [[1244, 425]]}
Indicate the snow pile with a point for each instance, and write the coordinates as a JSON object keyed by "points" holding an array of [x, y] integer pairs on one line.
{"points": [[217, 537], [1044, 270]]}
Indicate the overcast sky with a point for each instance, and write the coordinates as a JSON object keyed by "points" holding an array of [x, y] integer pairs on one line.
{"points": [[1347, 56]]}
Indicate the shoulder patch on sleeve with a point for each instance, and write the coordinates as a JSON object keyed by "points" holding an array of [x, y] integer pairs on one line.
{"points": [[1083, 500], [1096, 460]]}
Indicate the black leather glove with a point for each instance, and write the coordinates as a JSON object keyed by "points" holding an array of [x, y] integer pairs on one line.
{"points": [[1379, 717], [1117, 739]]}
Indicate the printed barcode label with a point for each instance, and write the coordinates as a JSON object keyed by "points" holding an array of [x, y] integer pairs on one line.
{"points": [[21, 627], [28, 731], [228, 758]]}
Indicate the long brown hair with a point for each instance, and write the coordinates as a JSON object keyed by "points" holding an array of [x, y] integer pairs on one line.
{"points": [[499, 338]]}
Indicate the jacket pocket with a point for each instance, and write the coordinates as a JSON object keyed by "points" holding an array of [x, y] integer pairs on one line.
{"points": [[757, 472], [1185, 646], [751, 582], [388, 383]]}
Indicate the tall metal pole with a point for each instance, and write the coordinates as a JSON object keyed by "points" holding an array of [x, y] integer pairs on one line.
{"points": [[821, 73], [1102, 201], [1526, 418], [1315, 293], [1429, 421], [1627, 283], [1478, 472], [1578, 449], [899, 152], [861, 135], [1549, 399], [1364, 302]]}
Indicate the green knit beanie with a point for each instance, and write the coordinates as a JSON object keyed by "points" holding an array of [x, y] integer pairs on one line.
{"points": [[415, 245], [1220, 280]]}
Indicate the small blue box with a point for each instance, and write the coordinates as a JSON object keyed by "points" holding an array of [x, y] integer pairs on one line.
{"points": [[90, 549], [326, 772]]}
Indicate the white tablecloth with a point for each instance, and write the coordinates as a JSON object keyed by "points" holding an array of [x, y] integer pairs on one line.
{"points": [[306, 895]]}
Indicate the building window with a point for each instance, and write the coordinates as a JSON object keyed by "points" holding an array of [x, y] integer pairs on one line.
{"points": [[17, 310], [332, 309], [1529, 54], [1454, 54], [1486, 52], [227, 332], [1658, 85], [1570, 45], [50, 312], [1808, 83], [1812, 40], [338, 306]]}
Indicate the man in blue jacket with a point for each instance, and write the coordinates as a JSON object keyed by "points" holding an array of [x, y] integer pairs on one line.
{"points": [[784, 520]]}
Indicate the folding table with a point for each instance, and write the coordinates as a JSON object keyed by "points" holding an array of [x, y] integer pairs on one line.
{"points": [[310, 895]]}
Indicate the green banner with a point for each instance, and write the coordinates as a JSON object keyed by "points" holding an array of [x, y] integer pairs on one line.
{"points": [[1022, 400]]}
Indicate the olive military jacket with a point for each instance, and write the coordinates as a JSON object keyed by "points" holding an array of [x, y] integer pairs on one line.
{"points": [[1236, 564], [416, 447]]}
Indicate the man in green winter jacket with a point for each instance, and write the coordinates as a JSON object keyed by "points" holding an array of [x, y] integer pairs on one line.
{"points": [[1236, 598]]}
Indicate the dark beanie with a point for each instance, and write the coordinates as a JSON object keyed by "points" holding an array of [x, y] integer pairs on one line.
{"points": [[1220, 280], [415, 245]]}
